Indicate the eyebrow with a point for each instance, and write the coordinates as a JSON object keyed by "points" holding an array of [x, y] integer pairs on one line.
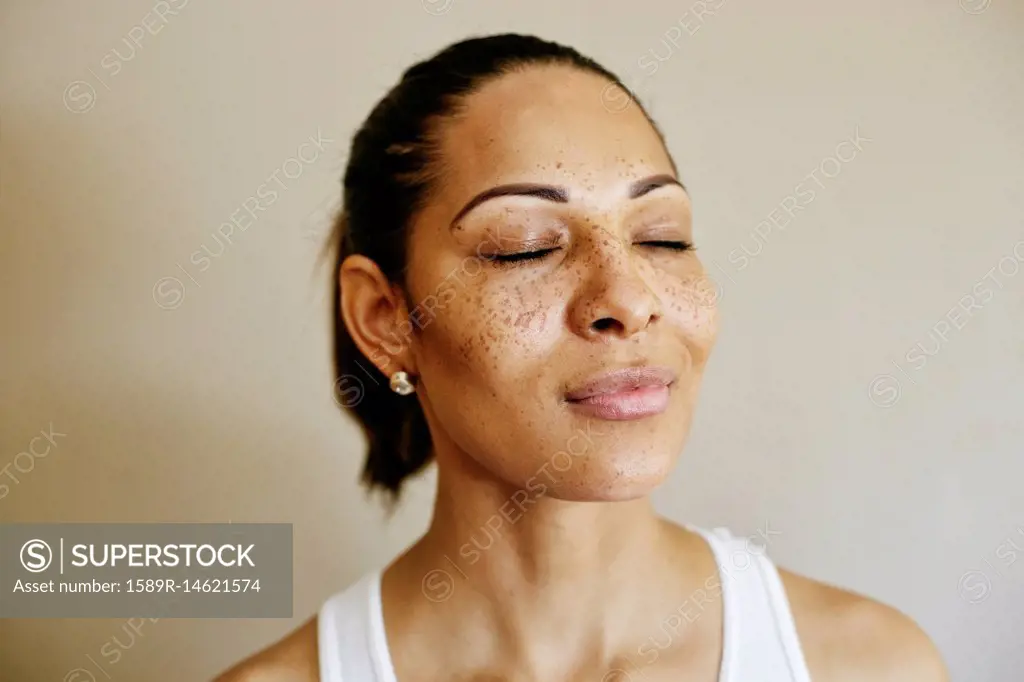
{"points": [[560, 195]]}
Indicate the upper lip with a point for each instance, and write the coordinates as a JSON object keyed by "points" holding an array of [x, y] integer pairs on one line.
{"points": [[625, 379]]}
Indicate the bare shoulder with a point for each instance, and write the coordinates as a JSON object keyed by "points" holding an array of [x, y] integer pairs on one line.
{"points": [[293, 658], [847, 637]]}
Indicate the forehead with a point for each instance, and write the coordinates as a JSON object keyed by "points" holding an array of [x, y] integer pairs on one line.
{"points": [[546, 124]]}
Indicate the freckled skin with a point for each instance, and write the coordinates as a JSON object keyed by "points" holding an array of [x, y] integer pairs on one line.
{"points": [[495, 363]]}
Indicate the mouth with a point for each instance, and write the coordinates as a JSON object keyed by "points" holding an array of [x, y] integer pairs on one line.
{"points": [[626, 394]]}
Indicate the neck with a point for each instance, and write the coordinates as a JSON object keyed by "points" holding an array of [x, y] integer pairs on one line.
{"points": [[503, 537], [534, 569]]}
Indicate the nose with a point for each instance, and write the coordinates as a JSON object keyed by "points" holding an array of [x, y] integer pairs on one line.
{"points": [[614, 299]]}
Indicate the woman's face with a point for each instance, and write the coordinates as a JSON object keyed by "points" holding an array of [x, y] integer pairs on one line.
{"points": [[503, 339]]}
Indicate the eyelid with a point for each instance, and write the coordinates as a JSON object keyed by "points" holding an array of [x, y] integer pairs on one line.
{"points": [[510, 245], [537, 244], [663, 232]]}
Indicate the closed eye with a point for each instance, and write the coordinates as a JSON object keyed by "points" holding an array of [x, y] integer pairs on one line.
{"points": [[519, 257], [674, 246], [513, 258]]}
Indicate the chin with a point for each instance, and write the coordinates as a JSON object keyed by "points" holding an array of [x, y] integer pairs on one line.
{"points": [[619, 481]]}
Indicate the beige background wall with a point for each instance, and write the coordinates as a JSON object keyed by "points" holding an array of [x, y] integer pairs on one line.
{"points": [[889, 471]]}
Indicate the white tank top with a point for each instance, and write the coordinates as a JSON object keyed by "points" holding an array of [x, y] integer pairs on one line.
{"points": [[760, 639]]}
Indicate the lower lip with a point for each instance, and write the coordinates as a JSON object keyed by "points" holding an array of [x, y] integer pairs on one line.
{"points": [[625, 405]]}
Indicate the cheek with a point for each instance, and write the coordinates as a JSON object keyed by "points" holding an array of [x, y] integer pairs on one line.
{"points": [[691, 300], [486, 362], [494, 330]]}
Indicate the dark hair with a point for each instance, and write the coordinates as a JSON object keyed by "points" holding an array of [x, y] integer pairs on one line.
{"points": [[392, 166]]}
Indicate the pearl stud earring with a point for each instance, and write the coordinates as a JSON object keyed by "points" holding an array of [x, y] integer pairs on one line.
{"points": [[401, 384]]}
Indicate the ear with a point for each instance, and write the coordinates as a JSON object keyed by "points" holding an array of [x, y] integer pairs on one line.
{"points": [[376, 315]]}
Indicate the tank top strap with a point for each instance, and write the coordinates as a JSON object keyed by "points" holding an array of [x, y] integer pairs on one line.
{"points": [[759, 633], [351, 639]]}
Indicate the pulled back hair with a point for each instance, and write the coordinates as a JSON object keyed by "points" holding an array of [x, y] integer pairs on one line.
{"points": [[393, 165]]}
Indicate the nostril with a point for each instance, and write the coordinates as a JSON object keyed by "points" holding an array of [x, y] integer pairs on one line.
{"points": [[604, 323]]}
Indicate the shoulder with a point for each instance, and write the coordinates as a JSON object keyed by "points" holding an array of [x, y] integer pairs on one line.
{"points": [[293, 658], [847, 637]]}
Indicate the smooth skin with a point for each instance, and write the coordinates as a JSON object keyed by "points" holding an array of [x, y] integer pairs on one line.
{"points": [[581, 575]]}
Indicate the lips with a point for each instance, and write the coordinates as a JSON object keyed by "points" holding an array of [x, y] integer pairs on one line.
{"points": [[622, 381]]}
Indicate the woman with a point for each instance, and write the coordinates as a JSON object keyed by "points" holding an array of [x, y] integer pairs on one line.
{"points": [[516, 261]]}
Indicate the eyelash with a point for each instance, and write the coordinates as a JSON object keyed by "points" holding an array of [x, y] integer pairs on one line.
{"points": [[674, 246], [514, 258]]}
